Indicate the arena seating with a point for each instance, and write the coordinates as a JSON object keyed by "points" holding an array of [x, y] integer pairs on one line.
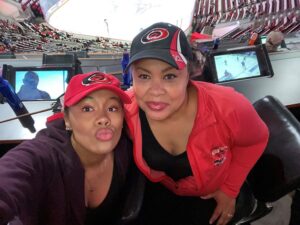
{"points": [[30, 36], [261, 16]]}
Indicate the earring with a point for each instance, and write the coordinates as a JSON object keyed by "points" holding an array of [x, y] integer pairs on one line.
{"points": [[68, 128]]}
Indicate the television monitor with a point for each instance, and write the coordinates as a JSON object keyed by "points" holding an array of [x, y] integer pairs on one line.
{"points": [[59, 59], [38, 83], [238, 64], [79, 54]]}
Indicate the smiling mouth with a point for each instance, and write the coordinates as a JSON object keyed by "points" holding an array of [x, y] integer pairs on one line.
{"points": [[156, 106]]}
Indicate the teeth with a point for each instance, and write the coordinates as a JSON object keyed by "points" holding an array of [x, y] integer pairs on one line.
{"points": [[156, 107]]}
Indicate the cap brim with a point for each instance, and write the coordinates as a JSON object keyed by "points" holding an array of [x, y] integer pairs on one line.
{"points": [[161, 54], [75, 99]]}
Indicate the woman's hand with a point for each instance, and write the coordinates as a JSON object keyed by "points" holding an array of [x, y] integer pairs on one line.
{"points": [[225, 208]]}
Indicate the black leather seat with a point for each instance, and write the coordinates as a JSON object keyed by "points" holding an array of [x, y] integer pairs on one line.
{"points": [[277, 172]]}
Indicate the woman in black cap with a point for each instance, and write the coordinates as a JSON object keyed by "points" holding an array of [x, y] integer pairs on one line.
{"points": [[194, 141]]}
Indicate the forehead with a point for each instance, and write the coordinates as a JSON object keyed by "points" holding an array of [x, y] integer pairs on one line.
{"points": [[151, 62], [102, 95], [31, 75], [156, 65]]}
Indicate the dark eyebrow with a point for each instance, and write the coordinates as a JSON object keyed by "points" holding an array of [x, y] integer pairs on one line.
{"points": [[141, 68], [116, 98], [168, 68], [111, 98], [164, 70]]}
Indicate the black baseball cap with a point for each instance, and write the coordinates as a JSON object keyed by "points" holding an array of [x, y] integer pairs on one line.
{"points": [[162, 41]]}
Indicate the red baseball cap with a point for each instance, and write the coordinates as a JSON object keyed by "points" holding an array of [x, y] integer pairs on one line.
{"points": [[82, 84]]}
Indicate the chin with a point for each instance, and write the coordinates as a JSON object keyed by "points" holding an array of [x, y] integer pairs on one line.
{"points": [[157, 115], [104, 151], [105, 148]]}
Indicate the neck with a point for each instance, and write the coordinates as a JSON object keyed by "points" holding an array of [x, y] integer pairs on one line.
{"points": [[99, 166], [88, 158]]}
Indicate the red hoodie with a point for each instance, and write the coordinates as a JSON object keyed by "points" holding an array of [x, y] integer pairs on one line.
{"points": [[227, 139]]}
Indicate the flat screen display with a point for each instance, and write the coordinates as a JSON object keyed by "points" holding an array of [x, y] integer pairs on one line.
{"points": [[40, 84], [230, 65], [236, 66]]}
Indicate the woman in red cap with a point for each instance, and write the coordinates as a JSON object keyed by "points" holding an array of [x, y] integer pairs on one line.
{"points": [[195, 141], [77, 170]]}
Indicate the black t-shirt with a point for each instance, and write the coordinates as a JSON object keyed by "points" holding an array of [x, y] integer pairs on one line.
{"points": [[161, 206], [175, 166], [110, 210]]}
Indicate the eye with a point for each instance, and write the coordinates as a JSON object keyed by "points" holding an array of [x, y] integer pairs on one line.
{"points": [[144, 76], [170, 76], [87, 109], [114, 109]]}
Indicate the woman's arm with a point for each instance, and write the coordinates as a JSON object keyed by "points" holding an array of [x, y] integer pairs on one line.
{"points": [[250, 136], [23, 179]]}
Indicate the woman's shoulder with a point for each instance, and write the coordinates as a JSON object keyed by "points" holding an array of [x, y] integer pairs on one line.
{"points": [[220, 94], [223, 100], [213, 88]]}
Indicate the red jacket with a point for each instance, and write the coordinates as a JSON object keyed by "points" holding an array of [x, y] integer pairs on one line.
{"points": [[227, 139]]}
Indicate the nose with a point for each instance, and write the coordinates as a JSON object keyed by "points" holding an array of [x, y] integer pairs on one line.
{"points": [[103, 120], [156, 88]]}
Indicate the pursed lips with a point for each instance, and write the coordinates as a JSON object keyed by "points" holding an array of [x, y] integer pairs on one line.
{"points": [[104, 134]]}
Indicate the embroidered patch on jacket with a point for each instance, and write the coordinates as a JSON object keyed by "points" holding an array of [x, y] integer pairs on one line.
{"points": [[219, 155]]}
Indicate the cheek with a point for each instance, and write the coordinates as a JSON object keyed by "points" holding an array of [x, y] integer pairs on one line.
{"points": [[80, 122], [139, 90], [178, 100], [118, 124], [177, 92], [117, 120], [82, 128]]}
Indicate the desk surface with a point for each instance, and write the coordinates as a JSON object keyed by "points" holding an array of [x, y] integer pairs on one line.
{"points": [[13, 131]]}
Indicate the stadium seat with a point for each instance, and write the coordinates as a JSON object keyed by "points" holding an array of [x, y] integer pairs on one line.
{"points": [[277, 172]]}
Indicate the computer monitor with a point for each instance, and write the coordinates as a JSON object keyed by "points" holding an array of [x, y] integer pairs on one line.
{"points": [[237, 64], [59, 59], [38, 83]]}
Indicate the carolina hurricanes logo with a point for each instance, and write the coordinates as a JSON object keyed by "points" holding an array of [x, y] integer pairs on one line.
{"points": [[219, 155], [156, 34], [96, 78]]}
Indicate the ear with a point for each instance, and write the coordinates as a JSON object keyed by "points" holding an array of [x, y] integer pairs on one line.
{"points": [[67, 120]]}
